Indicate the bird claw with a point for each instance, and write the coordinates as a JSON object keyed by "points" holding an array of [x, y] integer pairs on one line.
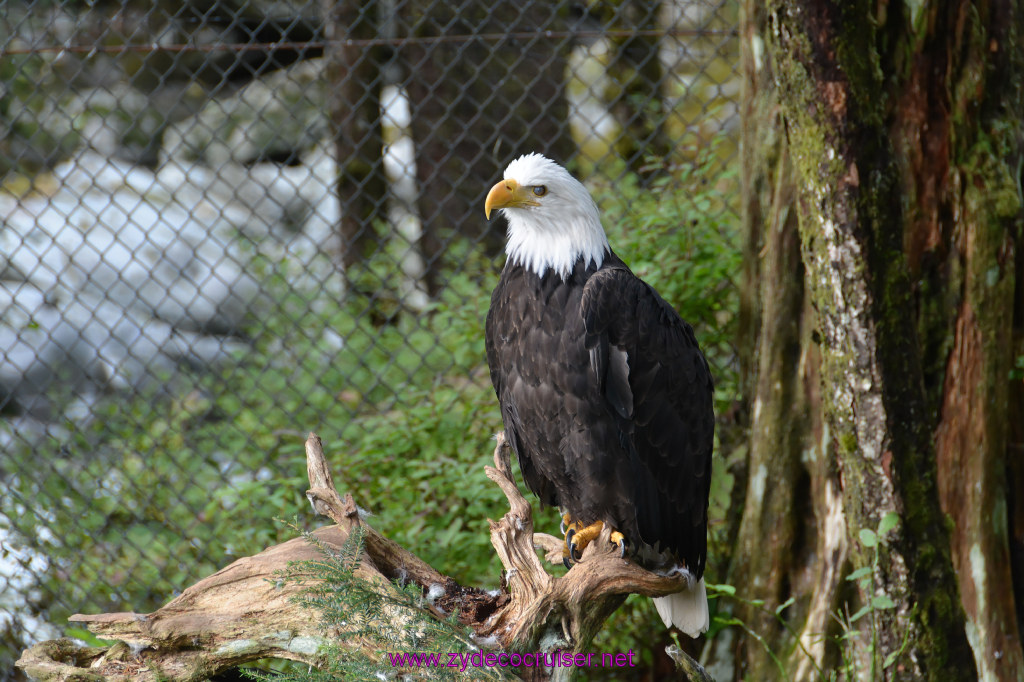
{"points": [[569, 553], [578, 536], [575, 551], [619, 539]]}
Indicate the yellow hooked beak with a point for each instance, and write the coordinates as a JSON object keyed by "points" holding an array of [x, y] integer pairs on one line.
{"points": [[508, 194]]}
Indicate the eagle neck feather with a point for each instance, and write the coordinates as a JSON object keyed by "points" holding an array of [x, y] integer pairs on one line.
{"points": [[539, 244]]}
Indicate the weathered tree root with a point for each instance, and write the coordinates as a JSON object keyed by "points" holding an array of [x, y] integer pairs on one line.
{"points": [[563, 613], [241, 613]]}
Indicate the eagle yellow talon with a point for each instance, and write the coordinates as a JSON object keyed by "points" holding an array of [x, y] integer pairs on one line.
{"points": [[584, 536], [578, 536], [568, 523], [569, 529], [619, 539]]}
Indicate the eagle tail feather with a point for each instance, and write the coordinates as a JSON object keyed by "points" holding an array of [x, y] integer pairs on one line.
{"points": [[687, 610]]}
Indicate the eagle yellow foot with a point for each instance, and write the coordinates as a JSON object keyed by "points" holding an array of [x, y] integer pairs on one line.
{"points": [[578, 536], [569, 528]]}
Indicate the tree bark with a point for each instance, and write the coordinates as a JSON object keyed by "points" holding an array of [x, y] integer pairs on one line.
{"points": [[851, 228], [763, 558], [903, 125], [978, 113], [236, 615], [791, 544]]}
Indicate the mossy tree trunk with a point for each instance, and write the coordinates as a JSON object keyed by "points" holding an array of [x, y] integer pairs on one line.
{"points": [[883, 144], [791, 541], [767, 528], [980, 110]]}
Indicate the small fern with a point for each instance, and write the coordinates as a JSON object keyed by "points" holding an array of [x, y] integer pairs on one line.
{"points": [[385, 620]]}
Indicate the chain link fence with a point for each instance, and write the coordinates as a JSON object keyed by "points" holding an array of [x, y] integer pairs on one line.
{"points": [[224, 223]]}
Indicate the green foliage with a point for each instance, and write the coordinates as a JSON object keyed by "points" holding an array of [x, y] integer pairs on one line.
{"points": [[1017, 373], [874, 541], [723, 618], [27, 87], [121, 495]]}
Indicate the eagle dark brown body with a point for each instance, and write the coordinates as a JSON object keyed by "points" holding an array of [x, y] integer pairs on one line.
{"points": [[607, 400]]}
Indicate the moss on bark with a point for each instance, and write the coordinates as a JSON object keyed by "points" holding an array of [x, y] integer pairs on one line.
{"points": [[830, 60], [973, 433]]}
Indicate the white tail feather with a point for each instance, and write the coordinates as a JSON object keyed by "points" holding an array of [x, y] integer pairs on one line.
{"points": [[687, 610]]}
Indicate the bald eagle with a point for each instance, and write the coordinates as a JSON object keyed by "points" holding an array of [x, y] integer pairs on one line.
{"points": [[605, 395]]}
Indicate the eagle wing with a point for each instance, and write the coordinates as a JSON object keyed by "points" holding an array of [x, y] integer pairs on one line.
{"points": [[507, 319], [650, 370]]}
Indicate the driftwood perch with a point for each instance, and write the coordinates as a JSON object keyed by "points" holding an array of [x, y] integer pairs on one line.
{"points": [[241, 613]]}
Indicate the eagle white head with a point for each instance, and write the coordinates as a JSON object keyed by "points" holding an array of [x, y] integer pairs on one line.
{"points": [[552, 219]]}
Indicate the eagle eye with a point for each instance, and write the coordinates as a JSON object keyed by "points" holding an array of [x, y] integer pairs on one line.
{"points": [[540, 190]]}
